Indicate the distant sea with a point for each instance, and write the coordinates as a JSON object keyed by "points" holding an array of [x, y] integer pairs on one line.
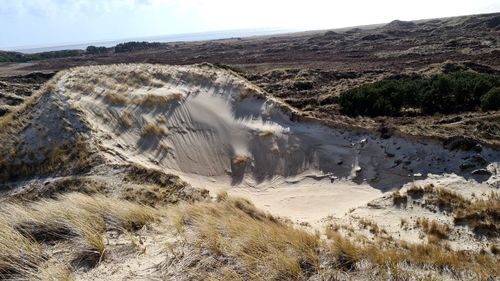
{"points": [[200, 36]]}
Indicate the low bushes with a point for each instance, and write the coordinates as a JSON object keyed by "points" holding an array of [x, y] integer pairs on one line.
{"points": [[491, 100], [415, 94]]}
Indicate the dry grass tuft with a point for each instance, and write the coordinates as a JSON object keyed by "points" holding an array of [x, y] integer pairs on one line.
{"points": [[373, 226], [347, 253], [17, 113], [266, 133], [481, 215], [440, 259], [434, 228], [255, 245], [399, 199], [241, 159], [115, 98], [153, 100], [126, 119], [75, 218], [81, 87], [55, 272], [153, 130], [415, 191]]}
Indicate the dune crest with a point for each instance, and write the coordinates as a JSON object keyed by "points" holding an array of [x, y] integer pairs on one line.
{"points": [[218, 131]]}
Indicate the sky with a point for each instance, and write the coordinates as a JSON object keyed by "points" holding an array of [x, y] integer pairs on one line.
{"points": [[31, 23]]}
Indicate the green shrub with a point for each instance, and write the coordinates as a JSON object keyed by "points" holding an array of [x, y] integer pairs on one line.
{"points": [[96, 50], [443, 93], [22, 57], [491, 100], [135, 46]]}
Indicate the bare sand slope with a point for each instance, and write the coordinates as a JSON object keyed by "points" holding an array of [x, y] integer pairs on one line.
{"points": [[220, 132]]}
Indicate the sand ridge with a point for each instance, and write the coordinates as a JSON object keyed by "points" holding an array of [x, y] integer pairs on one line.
{"points": [[220, 132]]}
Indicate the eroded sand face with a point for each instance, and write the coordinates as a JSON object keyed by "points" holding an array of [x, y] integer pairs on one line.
{"points": [[219, 132]]}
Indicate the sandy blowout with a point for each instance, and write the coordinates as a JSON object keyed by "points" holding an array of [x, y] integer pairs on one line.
{"points": [[218, 131]]}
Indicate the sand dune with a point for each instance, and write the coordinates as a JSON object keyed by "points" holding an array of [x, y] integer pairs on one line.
{"points": [[218, 131]]}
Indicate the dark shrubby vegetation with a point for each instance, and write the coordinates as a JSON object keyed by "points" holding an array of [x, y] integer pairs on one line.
{"points": [[491, 100], [443, 93], [21, 57], [96, 50], [11, 57], [494, 22], [92, 50], [135, 46]]}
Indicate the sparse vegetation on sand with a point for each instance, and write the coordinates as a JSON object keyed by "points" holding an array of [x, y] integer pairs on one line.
{"points": [[482, 215], [115, 98], [246, 244], [433, 228], [151, 129], [152, 100], [126, 119], [66, 158], [241, 159], [229, 238]]}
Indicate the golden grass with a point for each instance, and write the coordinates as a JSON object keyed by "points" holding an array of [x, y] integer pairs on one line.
{"points": [[399, 199], [126, 119], [82, 87], [266, 133], [153, 100], [254, 245], [431, 256], [259, 246], [73, 217], [153, 130], [54, 272], [371, 225], [434, 228], [347, 254], [241, 159], [115, 98], [481, 215], [17, 113], [18, 253]]}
